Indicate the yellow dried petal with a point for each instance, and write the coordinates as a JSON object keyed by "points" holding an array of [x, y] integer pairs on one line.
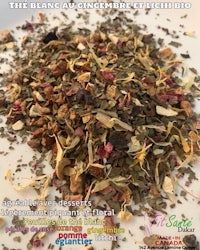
{"points": [[41, 15], [111, 91], [85, 77], [8, 174], [185, 145], [168, 185], [124, 216], [76, 184], [86, 118], [14, 90]]}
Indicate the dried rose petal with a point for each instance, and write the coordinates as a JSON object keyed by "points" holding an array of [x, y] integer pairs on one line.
{"points": [[102, 153], [17, 108], [172, 96], [27, 26], [109, 147], [35, 165], [108, 75], [79, 132], [107, 190], [36, 243], [169, 83], [119, 43]]}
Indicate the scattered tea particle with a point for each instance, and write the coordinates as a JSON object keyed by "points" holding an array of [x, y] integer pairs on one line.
{"points": [[12, 138], [49, 246], [114, 245], [186, 56], [17, 239], [193, 70], [124, 239], [2, 222], [142, 228], [183, 216], [11, 148], [197, 79], [4, 247], [175, 44], [27, 26], [131, 234], [184, 194], [160, 41], [147, 38], [41, 15], [189, 33], [184, 16], [172, 205]]}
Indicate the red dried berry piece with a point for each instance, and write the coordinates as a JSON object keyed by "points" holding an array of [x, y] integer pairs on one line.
{"points": [[37, 243], [27, 26], [102, 153], [109, 147], [108, 75], [83, 96]]}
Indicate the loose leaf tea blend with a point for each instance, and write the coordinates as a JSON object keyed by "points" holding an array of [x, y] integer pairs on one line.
{"points": [[109, 110]]}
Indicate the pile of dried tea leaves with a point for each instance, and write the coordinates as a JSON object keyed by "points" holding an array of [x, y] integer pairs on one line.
{"points": [[109, 109]]}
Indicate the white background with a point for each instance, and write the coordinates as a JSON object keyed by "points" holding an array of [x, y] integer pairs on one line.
{"points": [[168, 18]]}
